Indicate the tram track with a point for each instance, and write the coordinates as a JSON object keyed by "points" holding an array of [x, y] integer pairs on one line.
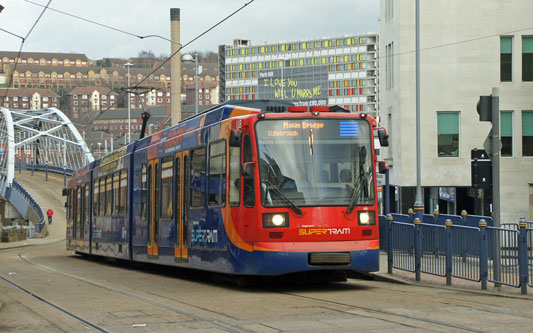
{"points": [[213, 323], [56, 307], [385, 313], [223, 320]]}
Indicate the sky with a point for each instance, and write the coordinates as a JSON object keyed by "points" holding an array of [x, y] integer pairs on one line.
{"points": [[261, 21]]}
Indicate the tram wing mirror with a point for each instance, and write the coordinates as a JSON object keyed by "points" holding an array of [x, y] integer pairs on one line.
{"points": [[247, 169], [235, 138], [383, 137], [65, 192]]}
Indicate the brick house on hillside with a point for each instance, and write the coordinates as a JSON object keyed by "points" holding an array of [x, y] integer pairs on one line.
{"points": [[28, 98]]}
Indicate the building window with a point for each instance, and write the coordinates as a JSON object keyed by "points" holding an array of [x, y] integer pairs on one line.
{"points": [[507, 133], [448, 134], [527, 59], [506, 59], [527, 133]]}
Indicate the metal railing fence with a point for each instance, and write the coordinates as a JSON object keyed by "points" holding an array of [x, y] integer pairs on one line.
{"points": [[480, 253], [403, 246], [507, 271], [466, 250], [434, 249]]}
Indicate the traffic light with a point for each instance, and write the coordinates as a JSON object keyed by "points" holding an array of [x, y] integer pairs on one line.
{"points": [[484, 108]]}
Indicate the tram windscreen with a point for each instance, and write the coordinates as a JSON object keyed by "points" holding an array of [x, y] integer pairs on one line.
{"points": [[315, 162]]}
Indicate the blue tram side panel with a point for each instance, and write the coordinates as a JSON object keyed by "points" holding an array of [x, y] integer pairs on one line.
{"points": [[110, 227]]}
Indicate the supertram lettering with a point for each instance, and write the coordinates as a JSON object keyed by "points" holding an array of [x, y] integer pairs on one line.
{"points": [[324, 231]]}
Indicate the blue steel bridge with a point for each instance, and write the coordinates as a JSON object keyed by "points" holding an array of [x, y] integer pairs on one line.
{"points": [[44, 140]]}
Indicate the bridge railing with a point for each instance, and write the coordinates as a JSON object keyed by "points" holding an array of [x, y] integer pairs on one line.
{"points": [[35, 213], [479, 253]]}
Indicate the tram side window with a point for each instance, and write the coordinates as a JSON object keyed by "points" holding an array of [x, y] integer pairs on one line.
{"points": [[198, 178], [82, 205], [123, 192], [144, 192], [234, 176], [217, 174], [86, 212], [78, 204], [101, 200], [95, 197], [108, 195], [248, 181], [167, 173], [70, 204], [116, 193]]}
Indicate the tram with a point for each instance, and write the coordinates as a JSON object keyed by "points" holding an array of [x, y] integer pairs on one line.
{"points": [[236, 190]]}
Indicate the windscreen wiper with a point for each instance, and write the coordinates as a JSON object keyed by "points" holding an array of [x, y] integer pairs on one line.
{"points": [[357, 189], [279, 192]]}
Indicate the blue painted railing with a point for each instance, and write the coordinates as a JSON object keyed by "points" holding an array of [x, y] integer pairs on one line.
{"points": [[459, 250]]}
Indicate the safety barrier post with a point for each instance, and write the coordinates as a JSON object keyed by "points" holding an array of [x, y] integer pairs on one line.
{"points": [[437, 240], [419, 210], [523, 256], [449, 254], [418, 248], [389, 244], [411, 214], [484, 254], [464, 214]]}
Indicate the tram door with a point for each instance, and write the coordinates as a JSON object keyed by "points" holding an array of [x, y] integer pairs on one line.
{"points": [[154, 183], [182, 206]]}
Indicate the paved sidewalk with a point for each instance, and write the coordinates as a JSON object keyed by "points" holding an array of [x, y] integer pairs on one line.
{"points": [[48, 195]]}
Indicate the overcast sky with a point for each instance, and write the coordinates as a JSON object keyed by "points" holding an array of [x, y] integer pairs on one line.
{"points": [[261, 21]]}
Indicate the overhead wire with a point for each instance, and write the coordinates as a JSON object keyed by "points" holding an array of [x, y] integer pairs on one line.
{"points": [[193, 40], [103, 25], [10, 79]]}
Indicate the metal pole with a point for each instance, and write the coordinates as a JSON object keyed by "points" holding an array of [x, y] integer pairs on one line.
{"points": [[129, 103], [387, 192], [64, 161], [34, 157], [419, 196], [196, 82], [46, 157], [496, 178]]}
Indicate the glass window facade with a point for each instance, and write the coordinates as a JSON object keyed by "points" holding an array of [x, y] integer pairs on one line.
{"points": [[506, 59], [448, 134]]}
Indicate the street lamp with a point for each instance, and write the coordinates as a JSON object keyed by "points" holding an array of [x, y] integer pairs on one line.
{"points": [[129, 102], [197, 71]]}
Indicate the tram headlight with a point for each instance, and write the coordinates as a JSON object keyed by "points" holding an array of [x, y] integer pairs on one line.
{"points": [[367, 218], [275, 220]]}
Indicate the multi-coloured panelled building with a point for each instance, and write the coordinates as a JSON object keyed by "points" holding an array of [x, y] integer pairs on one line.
{"points": [[328, 71]]}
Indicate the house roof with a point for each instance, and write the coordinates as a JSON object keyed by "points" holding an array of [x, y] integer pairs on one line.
{"points": [[156, 111], [45, 55], [90, 90], [20, 92]]}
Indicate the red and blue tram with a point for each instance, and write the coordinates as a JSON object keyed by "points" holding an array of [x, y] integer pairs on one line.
{"points": [[236, 190]]}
